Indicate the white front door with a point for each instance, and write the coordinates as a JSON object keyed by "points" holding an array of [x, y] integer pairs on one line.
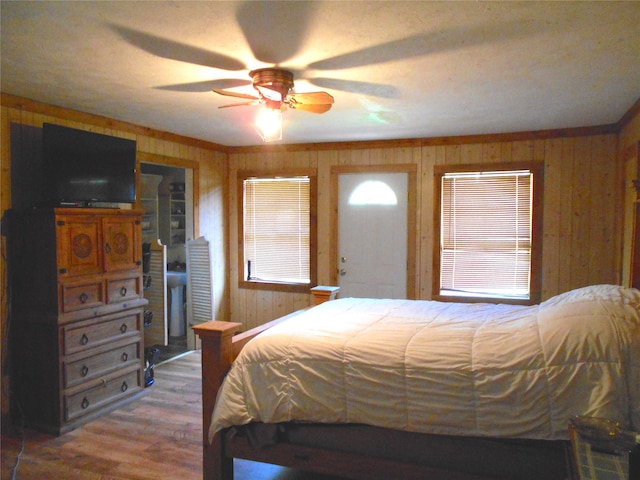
{"points": [[372, 235]]}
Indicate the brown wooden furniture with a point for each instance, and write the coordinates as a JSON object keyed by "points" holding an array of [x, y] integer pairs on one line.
{"points": [[77, 322], [323, 294], [519, 458]]}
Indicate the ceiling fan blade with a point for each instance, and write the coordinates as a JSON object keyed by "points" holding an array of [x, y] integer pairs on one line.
{"points": [[355, 86], [414, 46], [311, 107], [234, 94], [243, 104], [425, 43], [165, 48], [315, 98], [205, 86], [274, 30]]}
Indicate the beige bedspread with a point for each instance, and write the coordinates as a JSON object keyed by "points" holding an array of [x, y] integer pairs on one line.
{"points": [[449, 368]]}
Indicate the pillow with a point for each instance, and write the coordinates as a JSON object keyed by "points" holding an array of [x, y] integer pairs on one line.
{"points": [[614, 293]]}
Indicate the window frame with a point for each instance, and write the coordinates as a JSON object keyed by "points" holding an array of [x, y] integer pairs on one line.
{"points": [[537, 169], [273, 285]]}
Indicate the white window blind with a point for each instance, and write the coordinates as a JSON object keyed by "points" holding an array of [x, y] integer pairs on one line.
{"points": [[486, 233], [277, 229]]}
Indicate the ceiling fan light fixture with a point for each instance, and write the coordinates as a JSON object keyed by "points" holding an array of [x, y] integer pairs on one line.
{"points": [[269, 124], [275, 95]]}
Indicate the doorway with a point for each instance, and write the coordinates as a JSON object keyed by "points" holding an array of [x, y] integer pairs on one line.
{"points": [[167, 201], [375, 222]]}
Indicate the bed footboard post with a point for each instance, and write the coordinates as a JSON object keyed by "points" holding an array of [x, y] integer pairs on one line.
{"points": [[323, 293], [217, 356]]}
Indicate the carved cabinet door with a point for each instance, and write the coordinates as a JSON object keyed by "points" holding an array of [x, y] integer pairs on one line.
{"points": [[122, 243], [78, 245]]}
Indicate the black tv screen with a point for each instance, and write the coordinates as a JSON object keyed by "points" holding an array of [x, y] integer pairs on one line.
{"points": [[84, 168]]}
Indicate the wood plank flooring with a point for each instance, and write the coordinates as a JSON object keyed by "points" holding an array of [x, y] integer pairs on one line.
{"points": [[156, 437]]}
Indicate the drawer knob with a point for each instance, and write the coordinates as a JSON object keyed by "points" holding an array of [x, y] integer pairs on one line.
{"points": [[125, 356], [123, 291], [84, 370], [124, 387], [83, 298], [85, 403], [123, 328], [84, 339]]}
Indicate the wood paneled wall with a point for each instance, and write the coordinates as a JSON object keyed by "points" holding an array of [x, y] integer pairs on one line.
{"points": [[629, 156], [583, 200], [587, 228]]}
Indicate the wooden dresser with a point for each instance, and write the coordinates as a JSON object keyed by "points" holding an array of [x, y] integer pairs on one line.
{"points": [[76, 328]]}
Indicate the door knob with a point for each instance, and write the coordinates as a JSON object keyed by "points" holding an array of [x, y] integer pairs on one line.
{"points": [[342, 272]]}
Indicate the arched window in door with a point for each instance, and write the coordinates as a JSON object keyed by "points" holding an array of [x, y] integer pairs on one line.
{"points": [[373, 192]]}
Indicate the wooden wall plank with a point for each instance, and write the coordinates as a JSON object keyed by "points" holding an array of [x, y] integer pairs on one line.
{"points": [[453, 155], [430, 157], [607, 215], [579, 219], [472, 153], [552, 217], [566, 211], [506, 151], [327, 235], [522, 151]]}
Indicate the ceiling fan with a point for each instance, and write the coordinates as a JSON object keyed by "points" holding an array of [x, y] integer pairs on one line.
{"points": [[286, 25], [275, 91]]}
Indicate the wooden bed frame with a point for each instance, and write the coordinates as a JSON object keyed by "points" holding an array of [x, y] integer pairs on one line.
{"points": [[221, 345]]}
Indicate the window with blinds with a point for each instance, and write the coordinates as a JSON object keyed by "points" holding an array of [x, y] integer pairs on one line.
{"points": [[486, 233], [277, 229]]}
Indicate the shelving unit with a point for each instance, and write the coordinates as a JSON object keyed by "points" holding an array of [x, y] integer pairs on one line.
{"points": [[149, 204], [149, 219], [178, 214]]}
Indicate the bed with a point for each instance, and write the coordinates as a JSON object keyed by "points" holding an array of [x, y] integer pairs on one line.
{"points": [[391, 389]]}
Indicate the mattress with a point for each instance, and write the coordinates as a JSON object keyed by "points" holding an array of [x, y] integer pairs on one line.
{"points": [[445, 368]]}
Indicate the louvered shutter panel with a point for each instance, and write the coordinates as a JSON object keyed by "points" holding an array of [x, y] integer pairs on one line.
{"points": [[199, 282], [155, 290]]}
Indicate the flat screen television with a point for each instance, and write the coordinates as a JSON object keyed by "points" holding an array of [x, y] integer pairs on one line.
{"points": [[87, 169]]}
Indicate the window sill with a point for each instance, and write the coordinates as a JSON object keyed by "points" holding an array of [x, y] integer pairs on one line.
{"points": [[276, 287], [470, 299]]}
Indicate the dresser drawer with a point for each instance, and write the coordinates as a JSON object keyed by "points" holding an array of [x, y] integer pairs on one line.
{"points": [[94, 366], [78, 297], [86, 335], [86, 401], [123, 289]]}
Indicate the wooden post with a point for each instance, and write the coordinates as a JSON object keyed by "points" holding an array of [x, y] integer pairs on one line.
{"points": [[323, 294], [217, 356]]}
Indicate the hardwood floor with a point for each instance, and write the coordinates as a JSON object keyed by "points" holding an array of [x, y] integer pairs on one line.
{"points": [[175, 346], [156, 437]]}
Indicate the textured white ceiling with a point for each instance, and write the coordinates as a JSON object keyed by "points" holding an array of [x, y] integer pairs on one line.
{"points": [[396, 69]]}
